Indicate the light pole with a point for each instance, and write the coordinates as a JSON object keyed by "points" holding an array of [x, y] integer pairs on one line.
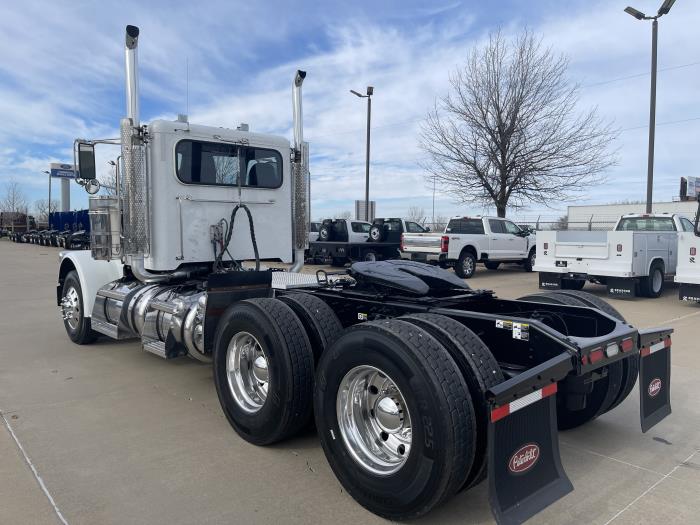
{"points": [[663, 10], [49, 208], [368, 96]]}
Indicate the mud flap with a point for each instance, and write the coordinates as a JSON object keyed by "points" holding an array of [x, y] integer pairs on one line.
{"points": [[550, 281], [525, 470], [654, 382]]}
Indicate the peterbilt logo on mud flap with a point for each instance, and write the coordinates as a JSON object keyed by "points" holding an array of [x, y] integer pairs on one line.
{"points": [[524, 458], [654, 387]]}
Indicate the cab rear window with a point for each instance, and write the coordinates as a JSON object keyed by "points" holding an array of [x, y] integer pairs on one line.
{"points": [[474, 226], [646, 224]]}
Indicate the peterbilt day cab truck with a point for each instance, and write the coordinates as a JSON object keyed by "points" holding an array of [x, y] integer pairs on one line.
{"points": [[410, 404], [468, 240], [633, 259]]}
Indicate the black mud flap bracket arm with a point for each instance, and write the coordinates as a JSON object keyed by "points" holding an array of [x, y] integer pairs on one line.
{"points": [[524, 465], [654, 376]]}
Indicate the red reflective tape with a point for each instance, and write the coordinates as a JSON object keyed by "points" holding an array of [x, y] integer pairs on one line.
{"points": [[667, 343], [645, 351], [549, 390], [627, 344], [500, 412]]}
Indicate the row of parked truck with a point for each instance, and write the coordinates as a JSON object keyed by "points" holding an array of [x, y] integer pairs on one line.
{"points": [[69, 239], [636, 258]]}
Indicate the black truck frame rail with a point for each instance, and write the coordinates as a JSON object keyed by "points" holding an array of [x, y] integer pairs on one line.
{"points": [[536, 345]]}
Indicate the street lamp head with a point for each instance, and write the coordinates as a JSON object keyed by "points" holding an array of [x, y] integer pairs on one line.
{"points": [[47, 172], [666, 7], [357, 94], [635, 13], [370, 91]]}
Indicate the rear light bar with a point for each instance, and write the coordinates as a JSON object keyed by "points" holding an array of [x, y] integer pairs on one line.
{"points": [[611, 350], [693, 251], [546, 246], [444, 243], [619, 248]]}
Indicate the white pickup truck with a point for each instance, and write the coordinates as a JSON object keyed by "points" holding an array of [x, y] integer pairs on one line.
{"points": [[468, 240], [688, 269], [633, 259]]}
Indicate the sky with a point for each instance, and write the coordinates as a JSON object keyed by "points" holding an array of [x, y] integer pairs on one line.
{"points": [[226, 62]]}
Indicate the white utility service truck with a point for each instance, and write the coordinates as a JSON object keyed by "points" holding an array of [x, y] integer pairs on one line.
{"points": [[468, 240], [688, 268], [633, 259], [411, 405]]}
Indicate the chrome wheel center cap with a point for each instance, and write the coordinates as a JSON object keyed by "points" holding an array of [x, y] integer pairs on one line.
{"points": [[389, 415]]}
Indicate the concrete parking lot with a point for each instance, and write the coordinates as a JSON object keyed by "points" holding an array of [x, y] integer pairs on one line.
{"points": [[117, 435]]}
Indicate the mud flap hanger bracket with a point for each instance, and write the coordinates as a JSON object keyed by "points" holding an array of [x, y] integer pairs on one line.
{"points": [[524, 466]]}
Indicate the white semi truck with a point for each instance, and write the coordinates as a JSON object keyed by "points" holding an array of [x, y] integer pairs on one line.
{"points": [[633, 259], [410, 404]]}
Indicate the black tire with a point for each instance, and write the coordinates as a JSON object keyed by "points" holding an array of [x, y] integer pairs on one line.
{"points": [[602, 394], [376, 233], [325, 233], [491, 265], [480, 371], [81, 333], [530, 261], [466, 265], [653, 284], [338, 262], [290, 364], [572, 284], [320, 322], [630, 365], [436, 400], [370, 256]]}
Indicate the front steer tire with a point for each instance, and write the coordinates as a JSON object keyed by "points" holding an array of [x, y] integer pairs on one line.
{"points": [[280, 334], [437, 404], [79, 327]]}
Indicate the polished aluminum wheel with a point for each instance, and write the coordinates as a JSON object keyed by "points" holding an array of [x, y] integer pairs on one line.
{"points": [[246, 368], [374, 420], [70, 305]]}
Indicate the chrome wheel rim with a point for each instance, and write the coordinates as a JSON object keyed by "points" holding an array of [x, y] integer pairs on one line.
{"points": [[374, 420], [468, 266], [247, 372], [71, 308], [657, 281]]}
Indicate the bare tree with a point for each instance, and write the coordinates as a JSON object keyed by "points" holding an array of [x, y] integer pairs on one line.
{"points": [[41, 209], [14, 202], [108, 181], [509, 133], [416, 214]]}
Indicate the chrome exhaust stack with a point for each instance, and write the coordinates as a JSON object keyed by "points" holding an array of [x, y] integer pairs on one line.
{"points": [[135, 196], [300, 171]]}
